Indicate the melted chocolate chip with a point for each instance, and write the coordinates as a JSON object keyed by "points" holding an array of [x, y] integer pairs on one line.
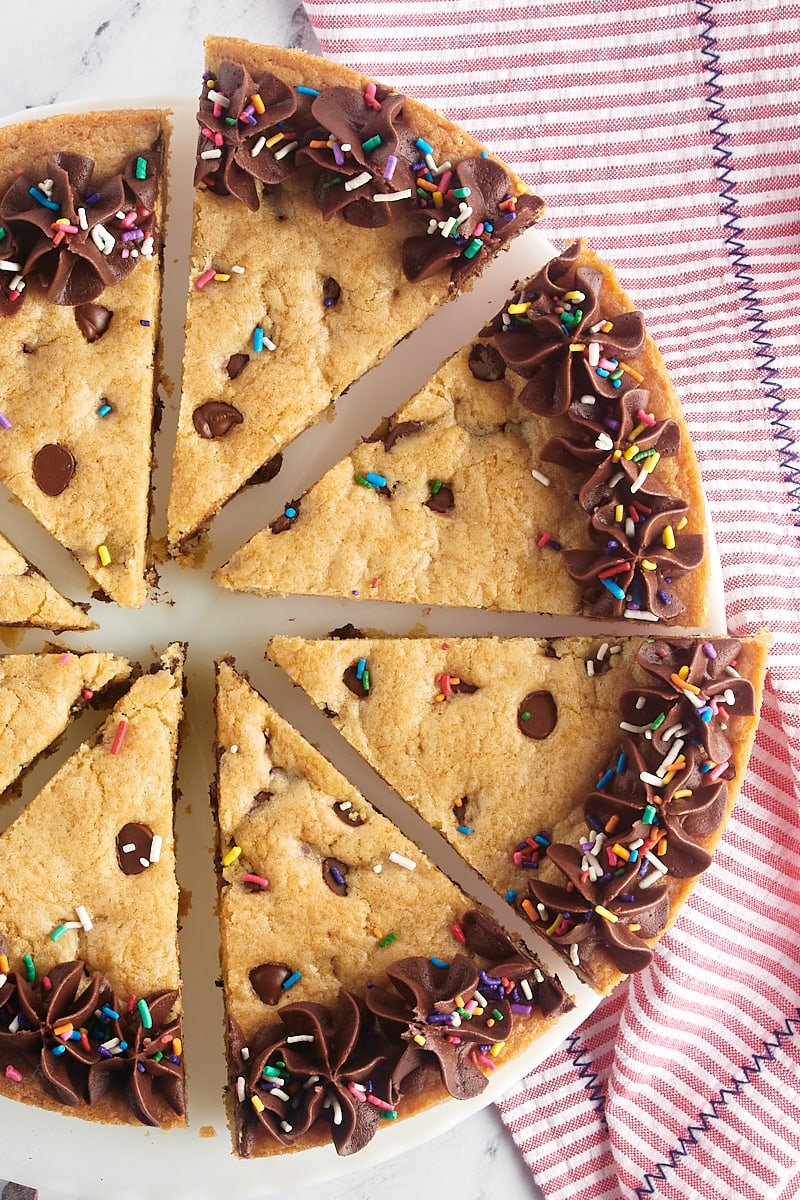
{"points": [[334, 872], [359, 685], [460, 810], [287, 518], [330, 292], [53, 468], [261, 798], [134, 842], [267, 980], [537, 715], [346, 813], [268, 471], [401, 430], [486, 363], [215, 419], [93, 320], [236, 364], [462, 688], [345, 632], [27, 348], [441, 501]]}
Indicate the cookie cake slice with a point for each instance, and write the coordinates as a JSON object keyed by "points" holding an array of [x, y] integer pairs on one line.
{"points": [[332, 217], [545, 467], [89, 978], [28, 599], [39, 696], [361, 985], [580, 777], [81, 214]]}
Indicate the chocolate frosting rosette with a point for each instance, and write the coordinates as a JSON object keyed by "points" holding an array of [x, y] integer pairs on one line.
{"points": [[613, 436], [144, 1059], [316, 1064], [428, 1010], [635, 565], [608, 914], [512, 974], [360, 137], [694, 691], [232, 152], [675, 816], [486, 217], [78, 243], [248, 1060], [36, 1028], [558, 338]]}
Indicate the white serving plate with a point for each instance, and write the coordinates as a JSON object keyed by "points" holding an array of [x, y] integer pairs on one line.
{"points": [[47, 1150]]}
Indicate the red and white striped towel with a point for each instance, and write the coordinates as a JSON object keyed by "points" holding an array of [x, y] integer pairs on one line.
{"points": [[669, 134]]}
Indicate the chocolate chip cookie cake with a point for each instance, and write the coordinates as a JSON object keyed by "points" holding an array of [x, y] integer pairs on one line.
{"points": [[89, 1007], [27, 599], [612, 763], [332, 216], [399, 993], [39, 695], [545, 467], [81, 213]]}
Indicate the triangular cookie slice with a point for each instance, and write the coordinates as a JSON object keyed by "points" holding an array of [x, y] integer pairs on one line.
{"points": [[81, 218], [90, 996], [39, 695], [329, 918], [520, 478], [332, 216], [26, 597], [617, 762]]}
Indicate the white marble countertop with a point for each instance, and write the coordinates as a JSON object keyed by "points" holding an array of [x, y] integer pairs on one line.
{"points": [[138, 48]]}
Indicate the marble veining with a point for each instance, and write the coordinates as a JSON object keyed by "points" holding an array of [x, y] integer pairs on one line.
{"points": [[140, 48]]}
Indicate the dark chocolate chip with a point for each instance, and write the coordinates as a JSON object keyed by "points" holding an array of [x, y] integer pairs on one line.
{"points": [[460, 810], [140, 837], [53, 468], [345, 632], [268, 471], [462, 688], [261, 798], [27, 348], [236, 364], [441, 501], [537, 715], [486, 363], [334, 872], [287, 518], [215, 419], [93, 320], [267, 980], [330, 292], [401, 430], [346, 813], [359, 686]]}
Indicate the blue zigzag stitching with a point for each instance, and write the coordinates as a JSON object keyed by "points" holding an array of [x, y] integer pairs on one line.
{"points": [[704, 1119], [585, 1072], [765, 358]]}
